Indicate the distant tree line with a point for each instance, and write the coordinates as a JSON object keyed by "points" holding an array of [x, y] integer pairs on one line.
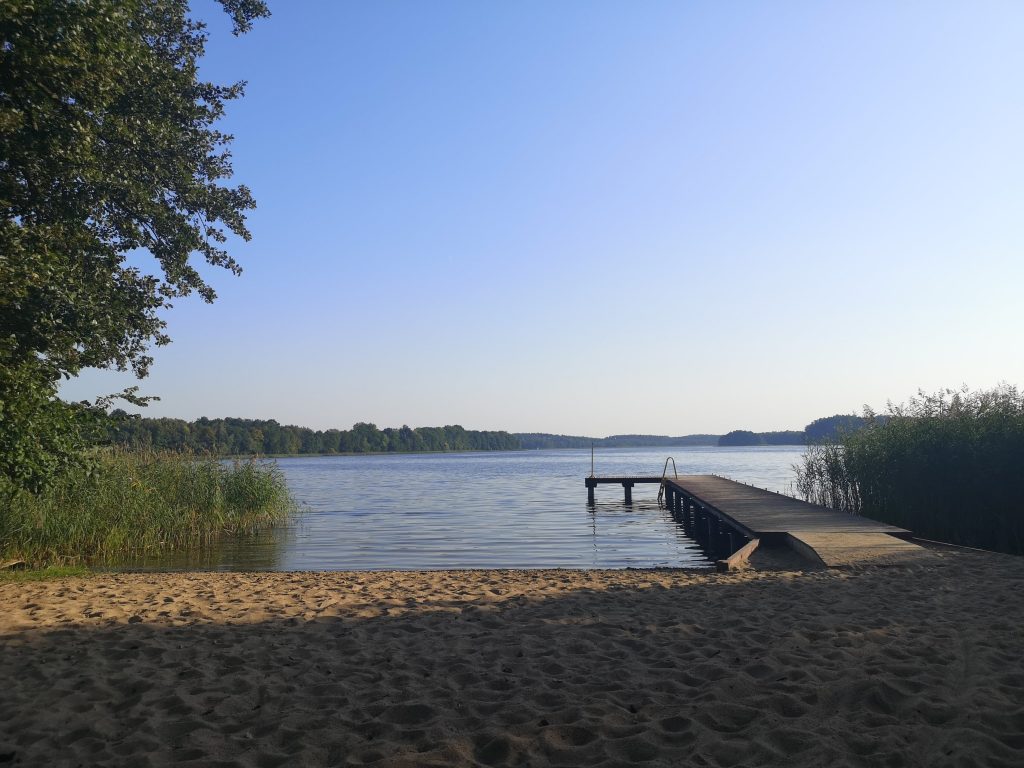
{"points": [[827, 429], [233, 437], [831, 428], [541, 440], [238, 437], [745, 437]]}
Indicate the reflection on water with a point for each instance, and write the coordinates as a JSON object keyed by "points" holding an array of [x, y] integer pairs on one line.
{"points": [[247, 552], [482, 510]]}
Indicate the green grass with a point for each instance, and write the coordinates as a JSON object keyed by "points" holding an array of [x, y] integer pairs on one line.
{"points": [[140, 502], [946, 466]]}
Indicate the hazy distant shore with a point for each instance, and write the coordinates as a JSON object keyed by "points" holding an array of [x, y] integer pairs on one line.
{"points": [[485, 450], [889, 666]]}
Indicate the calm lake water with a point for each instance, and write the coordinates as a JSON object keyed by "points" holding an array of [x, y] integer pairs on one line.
{"points": [[525, 509]]}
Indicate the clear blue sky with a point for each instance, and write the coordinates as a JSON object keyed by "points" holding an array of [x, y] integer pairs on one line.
{"points": [[608, 217]]}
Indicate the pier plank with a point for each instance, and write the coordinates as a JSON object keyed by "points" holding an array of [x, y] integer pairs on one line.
{"points": [[760, 512]]}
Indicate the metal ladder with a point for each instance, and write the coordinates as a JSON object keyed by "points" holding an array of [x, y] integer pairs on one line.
{"points": [[664, 475]]}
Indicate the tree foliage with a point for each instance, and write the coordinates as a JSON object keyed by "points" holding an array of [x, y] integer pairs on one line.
{"points": [[744, 437], [832, 428], [108, 151]]}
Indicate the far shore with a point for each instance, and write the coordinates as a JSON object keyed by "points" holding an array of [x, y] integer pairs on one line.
{"points": [[906, 665], [241, 456]]}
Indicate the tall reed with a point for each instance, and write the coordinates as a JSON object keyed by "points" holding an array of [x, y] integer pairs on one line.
{"points": [[948, 466], [130, 502]]}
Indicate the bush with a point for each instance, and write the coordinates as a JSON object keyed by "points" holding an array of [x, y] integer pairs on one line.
{"points": [[946, 466], [129, 502]]}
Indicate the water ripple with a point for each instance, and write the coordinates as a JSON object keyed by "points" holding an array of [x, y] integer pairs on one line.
{"points": [[483, 510]]}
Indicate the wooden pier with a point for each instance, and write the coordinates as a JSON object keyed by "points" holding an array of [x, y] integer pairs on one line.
{"points": [[727, 517], [626, 481]]}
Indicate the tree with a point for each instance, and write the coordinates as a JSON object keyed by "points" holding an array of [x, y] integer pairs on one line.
{"points": [[740, 437], [108, 150], [832, 428]]}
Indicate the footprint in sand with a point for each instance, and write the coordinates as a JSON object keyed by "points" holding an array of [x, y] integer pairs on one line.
{"points": [[409, 714]]}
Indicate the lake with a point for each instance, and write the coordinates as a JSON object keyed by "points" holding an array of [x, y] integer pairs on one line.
{"points": [[523, 509]]}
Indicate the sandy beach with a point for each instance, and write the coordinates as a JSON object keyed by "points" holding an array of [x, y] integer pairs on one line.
{"points": [[882, 666]]}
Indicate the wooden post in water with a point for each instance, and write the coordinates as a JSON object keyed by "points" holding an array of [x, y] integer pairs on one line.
{"points": [[629, 492], [722, 538]]}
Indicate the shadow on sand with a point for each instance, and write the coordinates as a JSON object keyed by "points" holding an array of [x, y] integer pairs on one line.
{"points": [[893, 666]]}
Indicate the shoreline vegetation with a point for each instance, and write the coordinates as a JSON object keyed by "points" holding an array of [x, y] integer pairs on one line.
{"points": [[946, 466], [122, 502], [943, 466]]}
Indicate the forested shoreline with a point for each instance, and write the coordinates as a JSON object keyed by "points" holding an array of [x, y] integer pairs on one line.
{"points": [[826, 429], [543, 440], [267, 437], [248, 437]]}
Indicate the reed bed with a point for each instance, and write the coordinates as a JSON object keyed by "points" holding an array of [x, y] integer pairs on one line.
{"points": [[131, 502], [948, 466]]}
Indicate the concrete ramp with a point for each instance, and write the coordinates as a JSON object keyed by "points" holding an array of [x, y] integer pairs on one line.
{"points": [[840, 550]]}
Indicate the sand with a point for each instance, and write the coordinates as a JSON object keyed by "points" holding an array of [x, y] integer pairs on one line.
{"points": [[879, 666]]}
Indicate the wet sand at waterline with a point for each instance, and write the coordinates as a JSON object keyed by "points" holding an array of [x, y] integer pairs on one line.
{"points": [[911, 665]]}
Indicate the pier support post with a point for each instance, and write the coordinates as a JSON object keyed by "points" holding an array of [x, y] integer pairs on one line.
{"points": [[628, 487], [590, 491]]}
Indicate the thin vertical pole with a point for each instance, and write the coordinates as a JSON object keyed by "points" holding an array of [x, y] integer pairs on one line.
{"points": [[591, 458]]}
